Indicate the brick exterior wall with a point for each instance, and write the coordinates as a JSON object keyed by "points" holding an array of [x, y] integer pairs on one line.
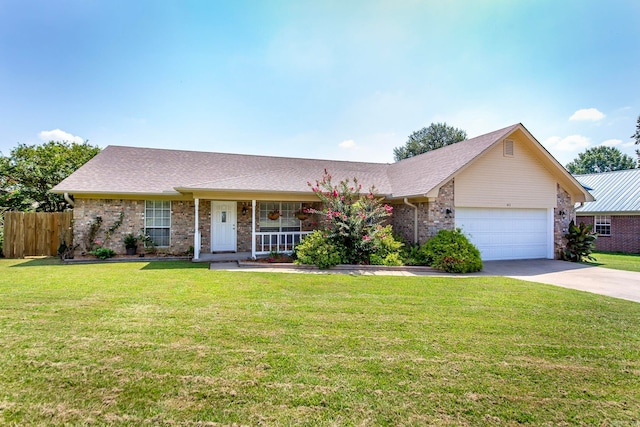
{"points": [[86, 211], [182, 226], [432, 216], [437, 212], [402, 221], [625, 233], [243, 227], [561, 222], [204, 225]]}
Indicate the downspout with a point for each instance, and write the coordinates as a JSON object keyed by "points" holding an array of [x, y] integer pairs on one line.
{"points": [[415, 220], [69, 200]]}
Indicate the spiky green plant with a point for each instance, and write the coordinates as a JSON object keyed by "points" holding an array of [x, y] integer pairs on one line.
{"points": [[580, 242]]}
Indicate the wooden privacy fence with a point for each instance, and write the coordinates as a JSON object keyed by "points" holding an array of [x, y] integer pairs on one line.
{"points": [[35, 233]]}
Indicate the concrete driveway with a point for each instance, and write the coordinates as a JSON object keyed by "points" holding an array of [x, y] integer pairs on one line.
{"points": [[604, 281]]}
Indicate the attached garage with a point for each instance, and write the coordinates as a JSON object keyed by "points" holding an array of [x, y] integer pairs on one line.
{"points": [[502, 234]]}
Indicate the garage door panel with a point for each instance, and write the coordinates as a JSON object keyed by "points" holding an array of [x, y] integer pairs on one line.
{"points": [[506, 233]]}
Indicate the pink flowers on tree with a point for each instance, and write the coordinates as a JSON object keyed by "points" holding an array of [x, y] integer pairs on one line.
{"points": [[354, 221]]}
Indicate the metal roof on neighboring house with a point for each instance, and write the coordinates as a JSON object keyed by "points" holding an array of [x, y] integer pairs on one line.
{"points": [[615, 192]]}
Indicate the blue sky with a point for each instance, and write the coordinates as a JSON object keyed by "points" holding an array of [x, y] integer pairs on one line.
{"points": [[326, 79]]}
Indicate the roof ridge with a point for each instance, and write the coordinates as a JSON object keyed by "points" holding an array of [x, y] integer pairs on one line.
{"points": [[245, 155]]}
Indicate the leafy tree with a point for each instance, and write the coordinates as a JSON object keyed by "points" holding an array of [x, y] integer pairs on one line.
{"points": [[636, 136], [437, 135], [600, 159], [353, 225], [30, 171]]}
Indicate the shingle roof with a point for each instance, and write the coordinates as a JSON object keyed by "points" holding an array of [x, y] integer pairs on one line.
{"points": [[418, 175], [617, 191], [131, 170]]}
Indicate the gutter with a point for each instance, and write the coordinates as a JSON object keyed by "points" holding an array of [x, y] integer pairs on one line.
{"points": [[415, 219], [69, 200]]}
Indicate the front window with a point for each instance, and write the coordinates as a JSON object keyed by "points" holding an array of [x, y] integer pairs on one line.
{"points": [[279, 216], [603, 225], [157, 221]]}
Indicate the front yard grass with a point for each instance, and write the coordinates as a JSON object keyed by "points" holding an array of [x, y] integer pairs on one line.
{"points": [[617, 260], [174, 343]]}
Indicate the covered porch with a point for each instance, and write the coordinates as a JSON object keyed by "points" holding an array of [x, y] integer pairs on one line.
{"points": [[240, 229]]}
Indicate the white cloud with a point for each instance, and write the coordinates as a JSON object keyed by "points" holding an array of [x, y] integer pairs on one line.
{"points": [[59, 135], [569, 143], [611, 142], [348, 144], [591, 114], [629, 144]]}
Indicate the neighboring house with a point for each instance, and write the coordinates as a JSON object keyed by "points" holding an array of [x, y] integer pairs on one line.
{"points": [[503, 189], [615, 215]]}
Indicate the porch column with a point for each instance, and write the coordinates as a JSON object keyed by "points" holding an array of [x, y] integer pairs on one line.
{"points": [[253, 229], [196, 234]]}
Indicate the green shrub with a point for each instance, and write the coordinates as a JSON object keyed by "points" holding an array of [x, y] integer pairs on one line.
{"points": [[580, 243], [103, 253], [390, 259], [413, 255], [386, 248], [317, 249], [451, 251]]}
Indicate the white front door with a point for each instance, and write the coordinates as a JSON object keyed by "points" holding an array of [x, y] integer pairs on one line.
{"points": [[223, 226]]}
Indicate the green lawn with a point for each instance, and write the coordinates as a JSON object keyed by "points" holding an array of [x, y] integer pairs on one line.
{"points": [[617, 260], [173, 343]]}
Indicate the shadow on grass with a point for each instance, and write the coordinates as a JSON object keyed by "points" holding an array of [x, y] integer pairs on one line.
{"points": [[38, 262], [149, 265], [174, 265], [592, 263]]}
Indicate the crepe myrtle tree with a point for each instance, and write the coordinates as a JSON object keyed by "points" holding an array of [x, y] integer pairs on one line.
{"points": [[354, 221]]}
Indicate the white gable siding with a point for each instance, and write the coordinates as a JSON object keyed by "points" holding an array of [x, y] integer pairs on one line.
{"points": [[498, 181]]}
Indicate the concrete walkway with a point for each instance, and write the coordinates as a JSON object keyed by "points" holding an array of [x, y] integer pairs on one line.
{"points": [[604, 281], [598, 280]]}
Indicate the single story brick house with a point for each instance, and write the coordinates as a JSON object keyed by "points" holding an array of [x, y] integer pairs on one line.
{"points": [[503, 189], [615, 214]]}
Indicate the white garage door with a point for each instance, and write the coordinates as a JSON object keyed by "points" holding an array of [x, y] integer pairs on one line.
{"points": [[507, 233]]}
